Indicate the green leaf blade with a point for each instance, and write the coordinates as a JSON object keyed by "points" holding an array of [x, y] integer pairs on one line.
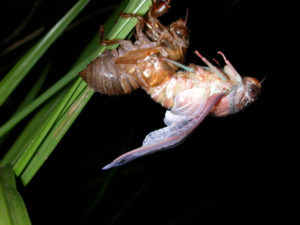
{"points": [[24, 65], [57, 132], [13, 210]]}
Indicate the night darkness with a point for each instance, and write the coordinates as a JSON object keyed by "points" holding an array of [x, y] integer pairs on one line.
{"points": [[226, 171]]}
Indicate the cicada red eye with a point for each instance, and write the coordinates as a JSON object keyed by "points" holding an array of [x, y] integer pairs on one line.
{"points": [[254, 91]]}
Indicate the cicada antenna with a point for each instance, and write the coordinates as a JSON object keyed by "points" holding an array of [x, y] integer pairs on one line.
{"points": [[186, 16], [263, 80]]}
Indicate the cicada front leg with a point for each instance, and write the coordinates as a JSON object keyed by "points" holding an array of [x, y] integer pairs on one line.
{"points": [[139, 27], [155, 28], [125, 45], [106, 42]]}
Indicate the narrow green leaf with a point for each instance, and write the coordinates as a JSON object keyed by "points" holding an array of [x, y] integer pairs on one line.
{"points": [[44, 129], [33, 92], [22, 145], [12, 208], [30, 95], [24, 65], [56, 134], [42, 98]]}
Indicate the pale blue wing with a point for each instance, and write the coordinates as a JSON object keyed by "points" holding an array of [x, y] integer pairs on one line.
{"points": [[169, 136]]}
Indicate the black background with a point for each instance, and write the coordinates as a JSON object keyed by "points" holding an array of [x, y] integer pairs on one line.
{"points": [[230, 169]]}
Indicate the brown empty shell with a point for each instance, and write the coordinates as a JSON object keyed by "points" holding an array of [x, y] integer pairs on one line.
{"points": [[106, 77]]}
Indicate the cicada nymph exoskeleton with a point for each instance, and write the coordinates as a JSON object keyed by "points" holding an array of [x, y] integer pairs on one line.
{"points": [[142, 63]]}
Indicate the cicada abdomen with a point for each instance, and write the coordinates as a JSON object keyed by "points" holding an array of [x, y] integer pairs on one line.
{"points": [[106, 77], [140, 64]]}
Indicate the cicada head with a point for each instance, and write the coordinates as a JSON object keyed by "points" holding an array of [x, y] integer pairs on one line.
{"points": [[252, 89], [244, 90], [177, 43], [241, 95], [180, 32]]}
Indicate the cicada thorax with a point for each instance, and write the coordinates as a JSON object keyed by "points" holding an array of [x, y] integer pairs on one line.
{"points": [[146, 65], [140, 64], [173, 39], [176, 41], [165, 93], [202, 78]]}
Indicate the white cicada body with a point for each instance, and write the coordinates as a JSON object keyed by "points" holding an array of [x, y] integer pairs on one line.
{"points": [[189, 97]]}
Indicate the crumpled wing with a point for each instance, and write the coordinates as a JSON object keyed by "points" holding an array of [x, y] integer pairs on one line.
{"points": [[180, 121], [187, 105]]}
